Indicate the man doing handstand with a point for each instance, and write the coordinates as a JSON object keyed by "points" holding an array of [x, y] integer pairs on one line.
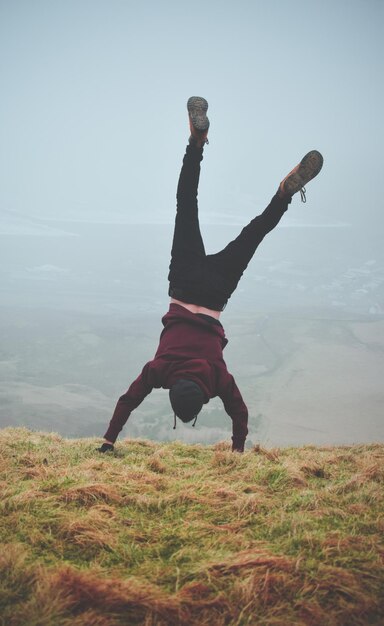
{"points": [[189, 359]]}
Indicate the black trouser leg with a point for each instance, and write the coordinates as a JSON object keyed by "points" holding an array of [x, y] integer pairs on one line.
{"points": [[210, 280], [187, 254], [231, 262]]}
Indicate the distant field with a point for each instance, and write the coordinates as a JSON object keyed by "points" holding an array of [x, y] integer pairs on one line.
{"points": [[306, 378]]}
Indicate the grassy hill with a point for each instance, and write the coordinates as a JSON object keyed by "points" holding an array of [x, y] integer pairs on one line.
{"points": [[168, 534]]}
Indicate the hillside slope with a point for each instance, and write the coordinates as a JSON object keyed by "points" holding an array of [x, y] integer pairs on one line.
{"points": [[169, 534]]}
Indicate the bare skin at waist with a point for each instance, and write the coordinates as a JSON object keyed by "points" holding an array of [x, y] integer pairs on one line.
{"points": [[196, 308]]}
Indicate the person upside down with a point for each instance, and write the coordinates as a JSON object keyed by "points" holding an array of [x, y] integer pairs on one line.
{"points": [[189, 359]]}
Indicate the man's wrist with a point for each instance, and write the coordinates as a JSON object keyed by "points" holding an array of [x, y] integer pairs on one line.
{"points": [[238, 447]]}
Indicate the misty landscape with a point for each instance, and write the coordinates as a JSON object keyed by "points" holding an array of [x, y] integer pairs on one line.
{"points": [[171, 527], [81, 315], [94, 122]]}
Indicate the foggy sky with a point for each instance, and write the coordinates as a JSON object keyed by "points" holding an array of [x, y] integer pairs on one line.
{"points": [[93, 115]]}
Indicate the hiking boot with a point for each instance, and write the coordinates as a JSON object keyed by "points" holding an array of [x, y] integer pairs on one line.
{"points": [[308, 168], [198, 121]]}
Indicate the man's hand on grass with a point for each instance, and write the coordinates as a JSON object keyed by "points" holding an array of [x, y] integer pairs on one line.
{"points": [[107, 446]]}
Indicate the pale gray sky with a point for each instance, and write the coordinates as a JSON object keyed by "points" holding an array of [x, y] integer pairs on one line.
{"points": [[93, 118]]}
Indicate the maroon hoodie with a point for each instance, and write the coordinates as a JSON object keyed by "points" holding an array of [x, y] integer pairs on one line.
{"points": [[191, 347]]}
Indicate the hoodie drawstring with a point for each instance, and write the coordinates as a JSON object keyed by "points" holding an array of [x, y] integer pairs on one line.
{"points": [[174, 421]]}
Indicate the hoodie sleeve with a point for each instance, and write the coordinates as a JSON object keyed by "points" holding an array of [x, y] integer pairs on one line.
{"points": [[236, 408], [129, 401]]}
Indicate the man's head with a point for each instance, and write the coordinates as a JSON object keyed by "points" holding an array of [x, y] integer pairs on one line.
{"points": [[186, 399]]}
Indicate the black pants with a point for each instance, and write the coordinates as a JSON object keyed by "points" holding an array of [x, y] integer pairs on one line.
{"points": [[210, 279]]}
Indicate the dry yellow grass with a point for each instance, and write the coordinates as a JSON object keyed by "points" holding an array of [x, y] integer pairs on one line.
{"points": [[169, 534]]}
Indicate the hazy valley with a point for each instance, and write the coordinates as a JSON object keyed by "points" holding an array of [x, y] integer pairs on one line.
{"points": [[81, 314]]}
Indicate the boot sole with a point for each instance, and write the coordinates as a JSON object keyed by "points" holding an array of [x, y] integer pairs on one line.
{"points": [[309, 167], [197, 109]]}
